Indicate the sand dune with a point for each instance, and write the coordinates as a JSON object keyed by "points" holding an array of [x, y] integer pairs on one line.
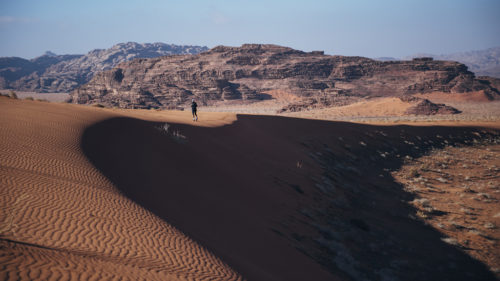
{"points": [[259, 189], [62, 218], [107, 194], [374, 107]]}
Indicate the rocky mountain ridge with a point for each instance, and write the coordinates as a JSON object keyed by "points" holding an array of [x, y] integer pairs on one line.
{"points": [[63, 73], [482, 62], [13, 70], [252, 71]]}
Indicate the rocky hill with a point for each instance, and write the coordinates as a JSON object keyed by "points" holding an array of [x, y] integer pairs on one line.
{"points": [[253, 71], [63, 73], [481, 62], [14, 69]]}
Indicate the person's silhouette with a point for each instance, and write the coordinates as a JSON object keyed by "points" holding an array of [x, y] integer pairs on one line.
{"points": [[194, 108]]}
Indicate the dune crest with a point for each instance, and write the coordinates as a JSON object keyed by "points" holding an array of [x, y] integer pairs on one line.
{"points": [[61, 218]]}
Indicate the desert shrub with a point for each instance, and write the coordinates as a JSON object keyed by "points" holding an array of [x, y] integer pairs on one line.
{"points": [[422, 214], [178, 136], [29, 98], [174, 134], [13, 95], [489, 225], [44, 100], [451, 241], [424, 202], [413, 173], [164, 128], [98, 105], [424, 167]]}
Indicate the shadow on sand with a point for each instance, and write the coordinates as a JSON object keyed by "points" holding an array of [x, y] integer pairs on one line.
{"points": [[288, 199]]}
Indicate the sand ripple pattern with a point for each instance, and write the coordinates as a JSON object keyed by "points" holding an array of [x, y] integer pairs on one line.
{"points": [[61, 219]]}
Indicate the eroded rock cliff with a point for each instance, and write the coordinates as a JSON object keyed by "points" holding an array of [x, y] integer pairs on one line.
{"points": [[249, 72]]}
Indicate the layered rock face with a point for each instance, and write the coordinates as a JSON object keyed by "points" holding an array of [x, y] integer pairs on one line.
{"points": [[249, 72], [52, 73], [481, 62]]}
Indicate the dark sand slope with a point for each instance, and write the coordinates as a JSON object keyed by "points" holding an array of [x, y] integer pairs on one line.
{"points": [[275, 198]]}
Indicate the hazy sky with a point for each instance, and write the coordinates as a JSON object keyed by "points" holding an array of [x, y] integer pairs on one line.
{"points": [[369, 28]]}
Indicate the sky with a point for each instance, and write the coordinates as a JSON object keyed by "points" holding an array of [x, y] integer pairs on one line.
{"points": [[370, 28]]}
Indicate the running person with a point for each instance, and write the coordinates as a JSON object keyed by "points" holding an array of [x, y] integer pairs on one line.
{"points": [[194, 108]]}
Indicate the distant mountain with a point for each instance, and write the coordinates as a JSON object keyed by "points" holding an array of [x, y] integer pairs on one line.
{"points": [[386, 59], [481, 62], [63, 73], [14, 69]]}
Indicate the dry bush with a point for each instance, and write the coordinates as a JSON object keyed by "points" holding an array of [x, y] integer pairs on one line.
{"points": [[12, 95], [490, 225], [413, 172], [451, 241]]}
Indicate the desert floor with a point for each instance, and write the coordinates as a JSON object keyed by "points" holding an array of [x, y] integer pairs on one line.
{"points": [[474, 107], [95, 193]]}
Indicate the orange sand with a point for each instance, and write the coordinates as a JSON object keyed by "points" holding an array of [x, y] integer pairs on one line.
{"points": [[374, 107], [61, 218]]}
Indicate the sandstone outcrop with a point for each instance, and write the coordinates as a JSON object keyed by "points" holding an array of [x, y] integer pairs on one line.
{"points": [[426, 107], [63, 73], [248, 72], [493, 83]]}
